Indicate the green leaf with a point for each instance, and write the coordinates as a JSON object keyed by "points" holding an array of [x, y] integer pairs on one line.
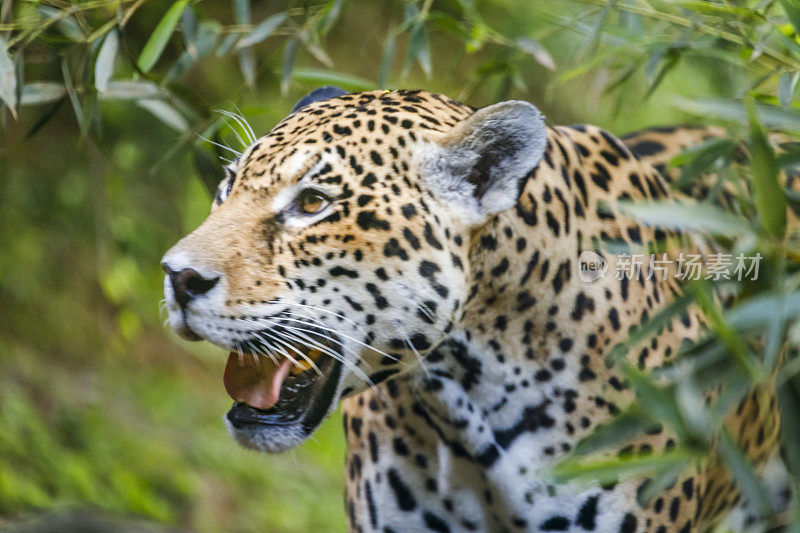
{"points": [[319, 53], [166, 113], [130, 90], [609, 470], [756, 313], [792, 9], [44, 118], [658, 402], [744, 473], [41, 92], [659, 482], [264, 29], [692, 217], [789, 397], [241, 11], [247, 64], [651, 327], [537, 50], [8, 79], [189, 27], [227, 44], [418, 49], [768, 195], [158, 40], [620, 429], [104, 65], [387, 59], [289, 56], [314, 76], [65, 23], [669, 63], [696, 160], [720, 324], [330, 14], [73, 95], [733, 111], [790, 157], [202, 46], [786, 87], [245, 56]]}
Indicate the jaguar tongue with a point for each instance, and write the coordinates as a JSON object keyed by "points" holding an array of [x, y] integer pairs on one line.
{"points": [[255, 381]]}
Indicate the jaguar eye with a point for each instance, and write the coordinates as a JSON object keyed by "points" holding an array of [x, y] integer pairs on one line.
{"points": [[311, 202], [227, 183]]}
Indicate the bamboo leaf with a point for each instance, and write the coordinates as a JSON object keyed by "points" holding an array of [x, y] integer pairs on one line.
{"points": [[65, 23], [658, 402], [387, 59], [314, 76], [73, 95], [247, 64], [537, 50], [673, 215], [609, 470], [264, 29], [241, 11], [44, 119], [704, 297], [756, 313], [319, 53], [165, 112], [744, 474], [768, 195], [205, 43], [620, 429], [330, 14], [658, 483], [158, 40], [786, 87], [733, 111], [8, 79], [289, 55], [789, 396], [104, 65], [130, 90], [792, 10], [417, 49], [189, 27], [41, 92], [227, 44], [698, 159], [419, 46]]}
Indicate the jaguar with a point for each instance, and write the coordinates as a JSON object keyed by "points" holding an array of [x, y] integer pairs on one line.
{"points": [[416, 260]]}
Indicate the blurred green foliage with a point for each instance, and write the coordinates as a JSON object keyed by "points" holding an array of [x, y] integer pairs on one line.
{"points": [[107, 105]]}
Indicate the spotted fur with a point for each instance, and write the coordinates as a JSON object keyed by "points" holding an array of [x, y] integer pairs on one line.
{"points": [[451, 246]]}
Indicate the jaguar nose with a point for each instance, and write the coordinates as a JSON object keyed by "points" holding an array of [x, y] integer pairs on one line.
{"points": [[188, 284]]}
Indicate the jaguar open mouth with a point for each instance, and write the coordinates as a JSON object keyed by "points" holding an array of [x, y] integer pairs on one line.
{"points": [[281, 391]]}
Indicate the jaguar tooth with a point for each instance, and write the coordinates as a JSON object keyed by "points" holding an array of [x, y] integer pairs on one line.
{"points": [[307, 362], [301, 366]]}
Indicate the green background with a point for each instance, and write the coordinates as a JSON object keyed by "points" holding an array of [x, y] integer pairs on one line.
{"points": [[101, 407]]}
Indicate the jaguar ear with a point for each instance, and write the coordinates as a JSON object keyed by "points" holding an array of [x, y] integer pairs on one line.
{"points": [[317, 95], [480, 164]]}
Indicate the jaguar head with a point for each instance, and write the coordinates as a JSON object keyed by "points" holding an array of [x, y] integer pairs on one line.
{"points": [[336, 253]]}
